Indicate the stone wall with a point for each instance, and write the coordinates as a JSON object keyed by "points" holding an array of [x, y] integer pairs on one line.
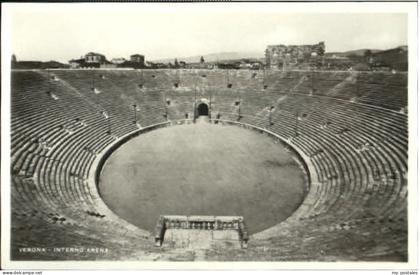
{"points": [[280, 56]]}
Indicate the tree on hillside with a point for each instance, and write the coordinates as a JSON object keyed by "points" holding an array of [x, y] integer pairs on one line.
{"points": [[368, 56], [201, 59], [14, 61], [320, 51], [368, 53], [176, 64]]}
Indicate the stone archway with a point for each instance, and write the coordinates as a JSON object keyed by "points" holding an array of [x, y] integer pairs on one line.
{"points": [[202, 109]]}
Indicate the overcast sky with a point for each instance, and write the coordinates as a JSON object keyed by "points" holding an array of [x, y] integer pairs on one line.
{"points": [[66, 33]]}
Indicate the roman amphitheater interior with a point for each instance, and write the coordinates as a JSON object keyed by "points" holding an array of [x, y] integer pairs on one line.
{"points": [[349, 129]]}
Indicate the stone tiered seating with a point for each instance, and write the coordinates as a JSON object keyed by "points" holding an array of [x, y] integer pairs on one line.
{"points": [[357, 148], [392, 95], [54, 142]]}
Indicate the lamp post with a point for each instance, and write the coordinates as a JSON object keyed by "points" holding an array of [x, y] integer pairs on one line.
{"points": [[357, 86], [109, 125], [142, 79], [135, 113], [49, 83], [264, 83], [93, 82], [165, 102], [108, 120], [312, 81], [195, 103], [228, 79], [210, 92]]}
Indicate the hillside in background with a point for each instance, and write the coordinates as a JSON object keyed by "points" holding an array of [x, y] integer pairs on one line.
{"points": [[358, 53], [28, 65], [397, 58], [213, 57]]}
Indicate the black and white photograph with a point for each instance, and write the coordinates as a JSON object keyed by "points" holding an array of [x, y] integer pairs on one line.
{"points": [[209, 135]]}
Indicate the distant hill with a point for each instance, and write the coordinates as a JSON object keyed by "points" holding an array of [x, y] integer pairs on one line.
{"points": [[396, 58], [215, 57], [359, 52], [38, 65], [229, 56]]}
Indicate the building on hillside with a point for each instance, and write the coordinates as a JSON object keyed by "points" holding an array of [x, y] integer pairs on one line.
{"points": [[76, 63], [257, 66], [90, 60], [118, 61], [250, 64], [157, 65], [137, 59], [245, 65], [282, 56], [95, 58], [182, 64], [233, 65]]}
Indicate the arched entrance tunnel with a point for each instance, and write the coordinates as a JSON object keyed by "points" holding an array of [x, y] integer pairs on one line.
{"points": [[202, 109]]}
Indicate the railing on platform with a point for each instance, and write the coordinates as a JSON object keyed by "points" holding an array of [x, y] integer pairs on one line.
{"points": [[201, 223]]}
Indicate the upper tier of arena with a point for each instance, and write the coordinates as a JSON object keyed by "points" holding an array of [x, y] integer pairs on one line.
{"points": [[349, 127]]}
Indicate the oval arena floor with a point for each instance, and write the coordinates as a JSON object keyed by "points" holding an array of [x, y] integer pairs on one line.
{"points": [[203, 169], [349, 128]]}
